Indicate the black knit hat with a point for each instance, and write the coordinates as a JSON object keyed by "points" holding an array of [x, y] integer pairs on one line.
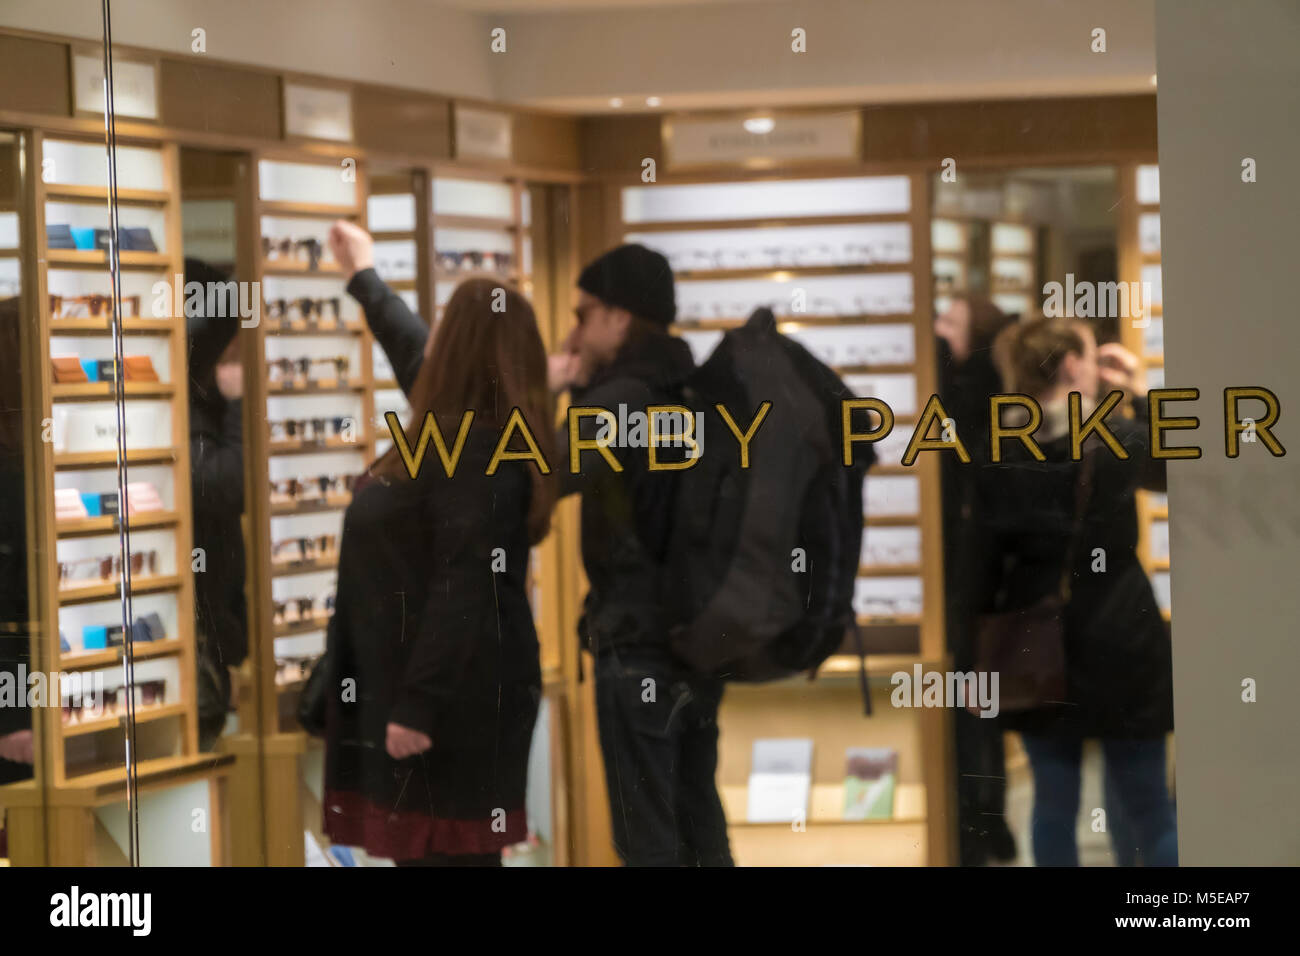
{"points": [[634, 278]]}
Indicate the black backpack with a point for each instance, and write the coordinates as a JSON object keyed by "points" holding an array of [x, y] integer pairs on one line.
{"points": [[744, 607]]}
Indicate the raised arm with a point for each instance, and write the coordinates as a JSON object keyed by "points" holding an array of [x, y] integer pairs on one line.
{"points": [[399, 331]]}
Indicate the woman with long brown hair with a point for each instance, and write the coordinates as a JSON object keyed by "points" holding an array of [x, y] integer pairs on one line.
{"points": [[433, 679]]}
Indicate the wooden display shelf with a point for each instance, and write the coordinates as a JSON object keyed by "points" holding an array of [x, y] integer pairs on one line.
{"points": [[106, 786], [102, 524], [450, 221], [888, 570], [90, 660], [390, 235], [275, 327], [1159, 564], [777, 273], [387, 385], [283, 569], [890, 521], [310, 389], [142, 715], [104, 391], [788, 323], [913, 620], [402, 285], [340, 503], [310, 210], [766, 222], [296, 447], [1158, 513], [316, 623], [296, 268], [99, 325], [878, 665], [885, 368], [826, 807], [103, 590], [155, 197], [99, 258], [105, 459]]}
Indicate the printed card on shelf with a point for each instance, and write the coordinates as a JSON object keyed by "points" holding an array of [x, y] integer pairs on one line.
{"points": [[869, 783], [780, 780]]}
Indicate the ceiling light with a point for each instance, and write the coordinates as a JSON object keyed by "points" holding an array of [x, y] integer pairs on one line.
{"points": [[1153, 79], [760, 125], [616, 101], [652, 101]]}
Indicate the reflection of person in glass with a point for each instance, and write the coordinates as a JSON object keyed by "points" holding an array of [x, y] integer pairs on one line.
{"points": [[1118, 662], [967, 377], [434, 683], [217, 489], [16, 756]]}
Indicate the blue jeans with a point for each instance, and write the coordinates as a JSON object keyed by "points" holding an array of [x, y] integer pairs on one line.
{"points": [[1141, 815]]}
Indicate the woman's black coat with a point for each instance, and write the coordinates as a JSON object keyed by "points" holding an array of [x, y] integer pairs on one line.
{"points": [[1119, 679], [428, 635]]}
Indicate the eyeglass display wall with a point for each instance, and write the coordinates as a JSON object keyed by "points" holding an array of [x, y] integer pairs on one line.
{"points": [[843, 262], [79, 513], [1145, 337]]}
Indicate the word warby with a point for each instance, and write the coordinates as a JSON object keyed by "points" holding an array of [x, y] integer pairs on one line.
{"points": [[879, 422]]}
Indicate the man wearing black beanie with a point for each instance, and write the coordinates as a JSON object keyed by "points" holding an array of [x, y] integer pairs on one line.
{"points": [[657, 722]]}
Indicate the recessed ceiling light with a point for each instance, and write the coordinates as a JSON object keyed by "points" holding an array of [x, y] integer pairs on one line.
{"points": [[616, 101], [1153, 79], [760, 125], [652, 101]]}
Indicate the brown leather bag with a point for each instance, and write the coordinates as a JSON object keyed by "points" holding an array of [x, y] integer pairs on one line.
{"points": [[1026, 647]]}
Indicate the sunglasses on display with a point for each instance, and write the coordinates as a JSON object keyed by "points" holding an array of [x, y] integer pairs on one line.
{"points": [[284, 248], [105, 568], [774, 257], [302, 371], [291, 670], [112, 703], [297, 550], [321, 313], [299, 609], [300, 490], [91, 306], [308, 429], [474, 261]]}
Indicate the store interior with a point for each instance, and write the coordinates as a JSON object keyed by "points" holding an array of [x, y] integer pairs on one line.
{"points": [[856, 202]]}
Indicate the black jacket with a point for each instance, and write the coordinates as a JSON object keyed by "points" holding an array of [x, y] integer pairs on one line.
{"points": [[434, 638], [1119, 671], [626, 517], [217, 485]]}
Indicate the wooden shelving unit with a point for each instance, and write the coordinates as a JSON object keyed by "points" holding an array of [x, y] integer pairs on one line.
{"points": [[81, 761], [1139, 259], [855, 288]]}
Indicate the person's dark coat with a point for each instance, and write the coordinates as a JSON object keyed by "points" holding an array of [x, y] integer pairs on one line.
{"points": [[626, 517], [428, 635], [217, 484], [1119, 675]]}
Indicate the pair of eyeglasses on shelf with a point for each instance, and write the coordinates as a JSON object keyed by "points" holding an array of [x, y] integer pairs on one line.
{"points": [[306, 309], [309, 250], [91, 306], [318, 488], [291, 670], [105, 568], [310, 429], [855, 353], [312, 548], [889, 607], [302, 609], [891, 554], [112, 702], [305, 369], [826, 307], [473, 260]]}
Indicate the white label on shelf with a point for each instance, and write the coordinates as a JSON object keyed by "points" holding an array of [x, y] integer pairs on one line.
{"points": [[317, 112], [135, 87], [789, 198], [695, 141], [483, 134]]}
